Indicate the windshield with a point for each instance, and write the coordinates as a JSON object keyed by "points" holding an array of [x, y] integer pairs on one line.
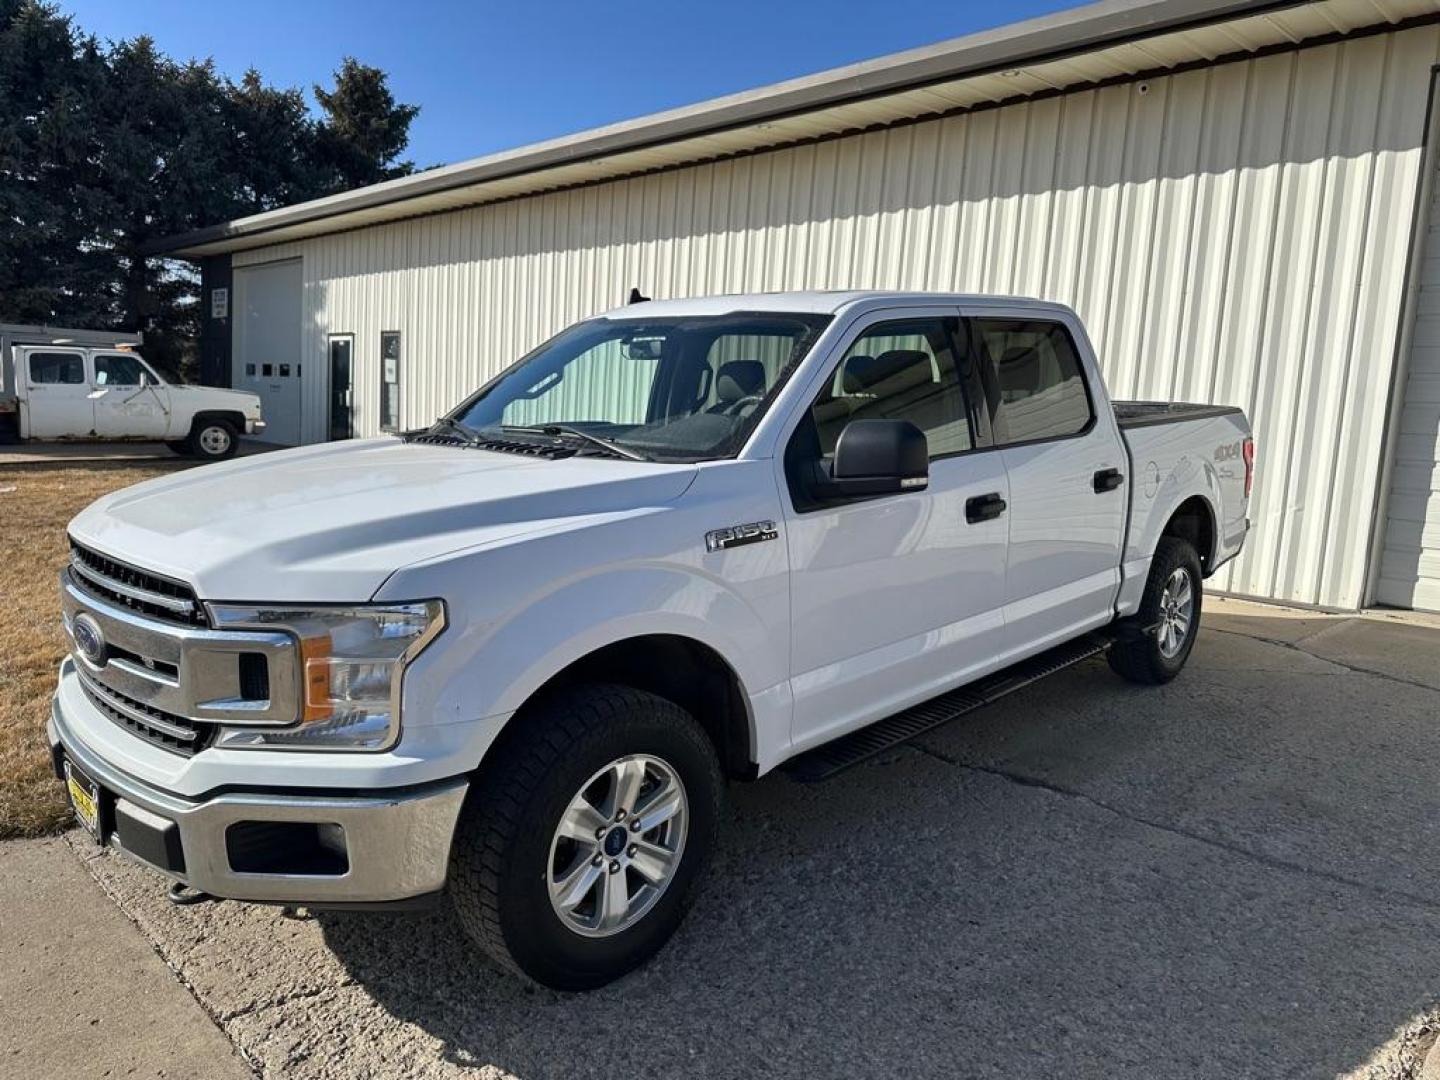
{"points": [[676, 389]]}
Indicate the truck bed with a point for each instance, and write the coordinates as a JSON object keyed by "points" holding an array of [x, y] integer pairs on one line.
{"points": [[1133, 414]]}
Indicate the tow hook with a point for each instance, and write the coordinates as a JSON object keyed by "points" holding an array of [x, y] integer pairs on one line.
{"points": [[182, 895]]}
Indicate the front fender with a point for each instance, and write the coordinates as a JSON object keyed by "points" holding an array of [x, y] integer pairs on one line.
{"points": [[523, 611], [498, 669]]}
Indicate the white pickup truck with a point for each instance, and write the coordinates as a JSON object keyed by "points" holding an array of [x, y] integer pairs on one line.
{"points": [[514, 657], [90, 385]]}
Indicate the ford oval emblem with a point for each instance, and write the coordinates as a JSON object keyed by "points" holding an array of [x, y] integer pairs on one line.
{"points": [[89, 639]]}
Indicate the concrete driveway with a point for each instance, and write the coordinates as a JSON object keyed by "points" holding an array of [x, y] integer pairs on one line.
{"points": [[1234, 875]]}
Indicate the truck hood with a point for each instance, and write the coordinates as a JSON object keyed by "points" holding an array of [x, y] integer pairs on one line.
{"points": [[240, 398], [331, 523]]}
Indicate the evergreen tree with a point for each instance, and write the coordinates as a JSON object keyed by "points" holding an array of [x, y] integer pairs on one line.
{"points": [[364, 130], [104, 150]]}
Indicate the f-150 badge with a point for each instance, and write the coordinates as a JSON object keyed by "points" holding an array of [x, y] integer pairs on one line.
{"points": [[740, 535]]}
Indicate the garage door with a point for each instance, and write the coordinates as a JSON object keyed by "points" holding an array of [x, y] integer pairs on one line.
{"points": [[267, 344], [1410, 564]]}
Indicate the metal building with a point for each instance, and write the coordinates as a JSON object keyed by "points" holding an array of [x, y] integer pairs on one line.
{"points": [[1234, 194]]}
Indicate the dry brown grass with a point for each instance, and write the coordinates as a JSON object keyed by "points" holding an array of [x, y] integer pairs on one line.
{"points": [[36, 503]]}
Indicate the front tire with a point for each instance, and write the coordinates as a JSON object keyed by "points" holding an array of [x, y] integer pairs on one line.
{"points": [[213, 440], [552, 874], [1155, 643]]}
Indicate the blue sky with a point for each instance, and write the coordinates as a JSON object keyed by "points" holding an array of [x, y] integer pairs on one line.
{"points": [[492, 76]]}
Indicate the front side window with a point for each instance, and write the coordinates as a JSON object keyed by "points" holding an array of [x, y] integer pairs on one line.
{"points": [[49, 368], [673, 389], [897, 371], [1033, 380], [118, 370]]}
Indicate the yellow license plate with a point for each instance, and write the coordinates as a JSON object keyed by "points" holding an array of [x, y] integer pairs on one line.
{"points": [[85, 798]]}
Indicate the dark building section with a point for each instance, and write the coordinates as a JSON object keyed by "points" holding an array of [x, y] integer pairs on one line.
{"points": [[217, 297]]}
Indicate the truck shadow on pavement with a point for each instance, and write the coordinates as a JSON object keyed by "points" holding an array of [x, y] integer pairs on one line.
{"points": [[1230, 875]]}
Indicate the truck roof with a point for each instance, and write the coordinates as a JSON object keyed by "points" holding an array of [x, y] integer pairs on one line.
{"points": [[825, 302]]}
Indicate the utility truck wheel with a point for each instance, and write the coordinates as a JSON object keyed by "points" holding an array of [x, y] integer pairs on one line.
{"points": [[1156, 642], [579, 846], [213, 440]]}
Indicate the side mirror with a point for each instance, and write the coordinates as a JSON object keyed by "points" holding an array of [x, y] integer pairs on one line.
{"points": [[875, 457]]}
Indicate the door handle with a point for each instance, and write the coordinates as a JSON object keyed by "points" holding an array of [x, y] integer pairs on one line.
{"points": [[984, 507], [1108, 480]]}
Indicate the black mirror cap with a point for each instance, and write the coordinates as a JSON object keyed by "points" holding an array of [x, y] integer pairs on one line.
{"points": [[883, 450]]}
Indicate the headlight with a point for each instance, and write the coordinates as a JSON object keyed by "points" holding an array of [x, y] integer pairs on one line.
{"points": [[351, 660]]}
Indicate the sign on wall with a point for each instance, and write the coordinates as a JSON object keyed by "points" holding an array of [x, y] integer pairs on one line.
{"points": [[219, 303]]}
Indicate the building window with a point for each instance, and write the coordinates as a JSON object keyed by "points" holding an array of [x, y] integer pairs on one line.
{"points": [[389, 380]]}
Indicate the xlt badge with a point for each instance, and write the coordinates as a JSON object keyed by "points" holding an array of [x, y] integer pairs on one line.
{"points": [[740, 535]]}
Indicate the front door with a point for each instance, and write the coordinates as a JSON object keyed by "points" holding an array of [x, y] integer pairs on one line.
{"points": [[894, 599], [342, 347], [57, 394], [130, 403], [1068, 481]]}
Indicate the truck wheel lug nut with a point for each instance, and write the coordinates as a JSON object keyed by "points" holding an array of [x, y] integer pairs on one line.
{"points": [[597, 860], [619, 815], [632, 849], [600, 833], [614, 866]]}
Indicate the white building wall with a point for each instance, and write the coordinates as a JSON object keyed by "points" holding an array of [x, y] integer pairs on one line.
{"points": [[1234, 234]]}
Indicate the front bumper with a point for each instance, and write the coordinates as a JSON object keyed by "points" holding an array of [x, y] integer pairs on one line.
{"points": [[254, 427], [396, 843]]}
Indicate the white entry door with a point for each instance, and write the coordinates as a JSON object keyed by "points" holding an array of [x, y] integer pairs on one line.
{"points": [[267, 344]]}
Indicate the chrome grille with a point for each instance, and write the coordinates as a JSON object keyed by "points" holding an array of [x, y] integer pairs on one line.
{"points": [[171, 683], [136, 589], [177, 734]]}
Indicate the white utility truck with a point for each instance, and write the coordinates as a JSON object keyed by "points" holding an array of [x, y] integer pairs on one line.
{"points": [[94, 385], [513, 658]]}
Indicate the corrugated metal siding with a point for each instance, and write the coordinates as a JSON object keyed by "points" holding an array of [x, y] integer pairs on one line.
{"points": [[1233, 234]]}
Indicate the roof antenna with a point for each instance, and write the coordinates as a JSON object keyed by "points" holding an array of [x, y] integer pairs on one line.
{"points": [[635, 297]]}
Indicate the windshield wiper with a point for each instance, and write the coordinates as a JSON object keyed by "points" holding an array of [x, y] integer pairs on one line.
{"points": [[556, 430], [465, 431]]}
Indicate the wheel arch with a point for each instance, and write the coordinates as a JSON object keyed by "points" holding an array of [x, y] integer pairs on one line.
{"points": [[1193, 520], [681, 669], [234, 417]]}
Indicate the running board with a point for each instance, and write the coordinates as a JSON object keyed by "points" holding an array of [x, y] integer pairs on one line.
{"points": [[825, 761]]}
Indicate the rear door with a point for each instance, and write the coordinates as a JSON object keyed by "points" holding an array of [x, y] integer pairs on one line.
{"points": [[57, 393], [130, 403], [1066, 468], [895, 598]]}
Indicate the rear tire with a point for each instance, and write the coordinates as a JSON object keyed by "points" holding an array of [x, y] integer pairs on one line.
{"points": [[1155, 643], [212, 440], [524, 879]]}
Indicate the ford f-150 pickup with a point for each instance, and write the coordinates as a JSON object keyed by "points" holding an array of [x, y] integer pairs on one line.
{"points": [[513, 658]]}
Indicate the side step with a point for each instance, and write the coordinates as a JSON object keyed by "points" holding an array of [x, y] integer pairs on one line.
{"points": [[834, 757]]}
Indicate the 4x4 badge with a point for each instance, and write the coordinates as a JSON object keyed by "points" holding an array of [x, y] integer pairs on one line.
{"points": [[740, 535]]}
